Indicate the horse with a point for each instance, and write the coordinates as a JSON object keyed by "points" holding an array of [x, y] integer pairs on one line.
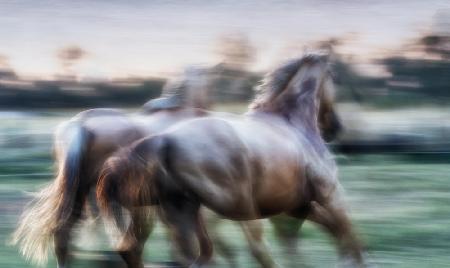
{"points": [[270, 161], [81, 145]]}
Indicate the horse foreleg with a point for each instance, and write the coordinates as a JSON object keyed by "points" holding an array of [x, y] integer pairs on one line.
{"points": [[287, 230], [253, 231], [132, 245], [333, 217]]}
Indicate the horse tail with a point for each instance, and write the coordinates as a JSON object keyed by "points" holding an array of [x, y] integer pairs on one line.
{"points": [[54, 205], [127, 180], [108, 193]]}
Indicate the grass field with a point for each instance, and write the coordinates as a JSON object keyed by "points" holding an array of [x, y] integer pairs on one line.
{"points": [[400, 207]]}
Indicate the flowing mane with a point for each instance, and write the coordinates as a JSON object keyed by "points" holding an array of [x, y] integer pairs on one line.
{"points": [[275, 82], [188, 90]]}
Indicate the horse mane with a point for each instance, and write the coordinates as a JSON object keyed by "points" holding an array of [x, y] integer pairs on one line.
{"points": [[176, 92], [276, 81], [173, 96]]}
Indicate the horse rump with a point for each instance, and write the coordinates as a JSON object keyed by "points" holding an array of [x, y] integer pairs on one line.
{"points": [[127, 180]]}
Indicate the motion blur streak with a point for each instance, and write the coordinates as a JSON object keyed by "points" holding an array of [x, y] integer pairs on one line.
{"points": [[390, 63]]}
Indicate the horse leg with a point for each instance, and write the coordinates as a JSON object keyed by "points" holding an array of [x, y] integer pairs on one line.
{"points": [[62, 235], [287, 230], [253, 231], [132, 245], [333, 217], [206, 247], [185, 222], [223, 248]]}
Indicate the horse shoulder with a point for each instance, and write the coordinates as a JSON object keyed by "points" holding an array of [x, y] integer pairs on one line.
{"points": [[322, 175]]}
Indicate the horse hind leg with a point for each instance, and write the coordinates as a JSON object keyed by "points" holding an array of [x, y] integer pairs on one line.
{"points": [[185, 222], [132, 245], [61, 244], [62, 235], [287, 231]]}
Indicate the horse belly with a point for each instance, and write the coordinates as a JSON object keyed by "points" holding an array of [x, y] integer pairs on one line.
{"points": [[280, 188], [277, 200]]}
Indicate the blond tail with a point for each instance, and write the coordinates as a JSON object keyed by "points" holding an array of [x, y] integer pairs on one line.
{"points": [[53, 206]]}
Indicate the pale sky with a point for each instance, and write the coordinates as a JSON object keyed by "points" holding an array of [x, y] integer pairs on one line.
{"points": [[145, 38]]}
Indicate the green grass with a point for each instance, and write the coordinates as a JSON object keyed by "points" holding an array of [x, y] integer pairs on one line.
{"points": [[400, 208]]}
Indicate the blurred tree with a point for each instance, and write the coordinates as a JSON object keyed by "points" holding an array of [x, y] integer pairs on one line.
{"points": [[6, 72], [426, 75], [353, 86], [68, 57], [437, 45], [236, 51], [231, 79], [3, 61]]}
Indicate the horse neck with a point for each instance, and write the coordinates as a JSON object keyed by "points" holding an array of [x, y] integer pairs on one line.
{"points": [[304, 119], [304, 116]]}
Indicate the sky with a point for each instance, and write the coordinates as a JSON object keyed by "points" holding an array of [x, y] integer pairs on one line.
{"points": [[148, 38]]}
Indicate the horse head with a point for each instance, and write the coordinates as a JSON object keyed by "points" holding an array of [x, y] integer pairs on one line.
{"points": [[302, 91], [329, 122]]}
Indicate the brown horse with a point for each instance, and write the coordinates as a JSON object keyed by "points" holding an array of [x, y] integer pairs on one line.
{"points": [[272, 160], [82, 145]]}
